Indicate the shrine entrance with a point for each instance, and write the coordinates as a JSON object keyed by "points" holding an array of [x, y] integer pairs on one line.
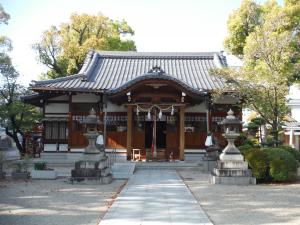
{"points": [[159, 142], [155, 117]]}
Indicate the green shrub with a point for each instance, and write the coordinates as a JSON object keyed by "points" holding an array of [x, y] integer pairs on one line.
{"points": [[244, 149], [40, 166], [258, 161], [293, 151], [282, 164]]}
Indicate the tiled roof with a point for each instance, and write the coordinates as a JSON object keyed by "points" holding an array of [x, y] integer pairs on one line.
{"points": [[112, 71], [292, 124]]}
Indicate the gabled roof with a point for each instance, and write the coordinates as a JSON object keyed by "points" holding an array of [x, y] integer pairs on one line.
{"points": [[108, 71]]}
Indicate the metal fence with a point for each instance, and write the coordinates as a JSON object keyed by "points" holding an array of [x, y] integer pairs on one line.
{"points": [[112, 157]]}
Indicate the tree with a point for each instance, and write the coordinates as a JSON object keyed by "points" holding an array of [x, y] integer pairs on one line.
{"points": [[64, 49], [15, 116], [270, 64], [4, 41], [240, 24]]}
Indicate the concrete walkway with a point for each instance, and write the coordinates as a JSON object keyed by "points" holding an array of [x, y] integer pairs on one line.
{"points": [[155, 197]]}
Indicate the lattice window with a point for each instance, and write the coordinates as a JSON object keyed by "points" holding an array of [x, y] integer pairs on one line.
{"points": [[56, 131], [195, 123]]}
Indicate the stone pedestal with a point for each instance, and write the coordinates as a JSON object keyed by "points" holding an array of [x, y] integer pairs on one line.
{"points": [[232, 172]]}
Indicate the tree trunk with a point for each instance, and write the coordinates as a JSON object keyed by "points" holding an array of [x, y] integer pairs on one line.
{"points": [[275, 133], [14, 136], [275, 121]]}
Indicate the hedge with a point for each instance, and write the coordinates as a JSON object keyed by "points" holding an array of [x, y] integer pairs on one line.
{"points": [[258, 161], [282, 164], [272, 164]]}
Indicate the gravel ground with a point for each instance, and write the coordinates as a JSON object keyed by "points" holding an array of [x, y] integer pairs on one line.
{"points": [[56, 202], [242, 205]]}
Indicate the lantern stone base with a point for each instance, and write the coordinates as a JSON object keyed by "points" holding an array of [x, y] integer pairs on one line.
{"points": [[233, 170], [233, 180]]}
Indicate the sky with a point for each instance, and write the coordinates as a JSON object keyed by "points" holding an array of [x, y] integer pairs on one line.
{"points": [[159, 25]]}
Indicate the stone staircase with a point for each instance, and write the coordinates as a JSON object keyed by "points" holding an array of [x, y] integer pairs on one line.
{"points": [[63, 163]]}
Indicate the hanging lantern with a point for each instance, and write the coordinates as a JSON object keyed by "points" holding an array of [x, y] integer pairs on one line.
{"points": [[172, 111], [149, 115], [160, 114]]}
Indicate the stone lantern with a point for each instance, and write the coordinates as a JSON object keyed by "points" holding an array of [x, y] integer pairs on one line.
{"points": [[231, 168], [92, 166], [91, 132], [231, 126]]}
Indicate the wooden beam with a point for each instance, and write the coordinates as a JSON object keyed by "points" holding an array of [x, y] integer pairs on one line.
{"points": [[181, 133], [129, 131]]}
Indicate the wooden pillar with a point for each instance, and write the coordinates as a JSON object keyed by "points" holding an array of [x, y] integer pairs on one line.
{"points": [[129, 131], [181, 133], [69, 131], [70, 123]]}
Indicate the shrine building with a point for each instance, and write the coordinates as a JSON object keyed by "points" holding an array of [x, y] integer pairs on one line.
{"points": [[159, 103]]}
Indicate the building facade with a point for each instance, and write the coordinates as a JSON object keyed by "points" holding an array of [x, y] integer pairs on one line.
{"points": [[160, 103], [292, 128]]}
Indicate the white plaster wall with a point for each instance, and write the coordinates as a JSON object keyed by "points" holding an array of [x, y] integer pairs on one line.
{"points": [[293, 101], [295, 110], [115, 108], [57, 108], [61, 98], [85, 98], [196, 108], [226, 99], [57, 115]]}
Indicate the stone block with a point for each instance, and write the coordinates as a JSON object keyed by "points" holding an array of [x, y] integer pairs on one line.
{"points": [[44, 174], [107, 180], [20, 175], [232, 172], [231, 157], [233, 180], [232, 164]]}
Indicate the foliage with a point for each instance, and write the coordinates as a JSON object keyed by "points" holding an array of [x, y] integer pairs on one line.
{"points": [[293, 151], [15, 116], [63, 49], [282, 164], [4, 41], [244, 149], [258, 161], [271, 59], [272, 164], [240, 24], [40, 166], [255, 126], [22, 165]]}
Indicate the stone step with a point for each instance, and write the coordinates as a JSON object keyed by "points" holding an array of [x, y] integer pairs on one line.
{"points": [[170, 165], [53, 155]]}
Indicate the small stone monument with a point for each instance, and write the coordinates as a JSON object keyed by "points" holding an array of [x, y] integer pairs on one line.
{"points": [[93, 163], [231, 168]]}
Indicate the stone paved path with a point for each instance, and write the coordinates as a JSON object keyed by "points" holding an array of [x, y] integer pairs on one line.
{"points": [[155, 197]]}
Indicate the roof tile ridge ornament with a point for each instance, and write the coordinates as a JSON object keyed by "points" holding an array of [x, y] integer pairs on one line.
{"points": [[155, 55], [87, 61], [156, 70]]}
